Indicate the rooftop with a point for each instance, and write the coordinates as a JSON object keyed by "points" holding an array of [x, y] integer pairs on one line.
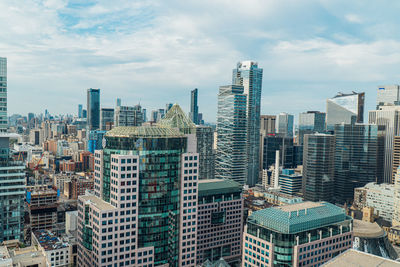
{"points": [[143, 131], [48, 240], [209, 187], [176, 118], [299, 217], [97, 202], [367, 229], [354, 258]]}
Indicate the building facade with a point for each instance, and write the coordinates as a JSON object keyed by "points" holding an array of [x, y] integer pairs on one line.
{"points": [[93, 109], [303, 234], [219, 221], [388, 94], [284, 124], [311, 122], [290, 182], [272, 143], [231, 156], [356, 152], [3, 94], [249, 75], [205, 143], [318, 167], [128, 116], [106, 119], [194, 108], [345, 108]]}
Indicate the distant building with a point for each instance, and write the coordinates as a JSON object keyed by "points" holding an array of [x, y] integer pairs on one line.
{"points": [[303, 234], [3, 95], [388, 94], [42, 207], [290, 182], [345, 108], [311, 122], [284, 124], [267, 125], [318, 167], [80, 111], [231, 158], [106, 119], [220, 221], [93, 109], [128, 116], [194, 108], [272, 143]]}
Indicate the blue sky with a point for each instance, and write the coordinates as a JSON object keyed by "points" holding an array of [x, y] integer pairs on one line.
{"points": [[157, 51]]}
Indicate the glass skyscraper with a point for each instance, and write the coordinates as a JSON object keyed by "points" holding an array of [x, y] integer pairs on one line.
{"points": [[249, 75], [345, 108], [93, 109], [311, 122], [284, 124], [355, 158], [231, 158], [318, 166], [3, 94], [272, 143], [194, 108]]}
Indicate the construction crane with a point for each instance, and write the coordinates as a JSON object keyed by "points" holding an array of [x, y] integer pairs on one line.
{"points": [[36, 169]]}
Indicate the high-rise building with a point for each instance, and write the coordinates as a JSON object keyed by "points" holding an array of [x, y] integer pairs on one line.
{"points": [[284, 124], [154, 116], [205, 143], [267, 124], [106, 118], [118, 102], [144, 211], [318, 166], [272, 143], [396, 156], [128, 116], [194, 108], [231, 156], [345, 108], [290, 182], [93, 109], [356, 151], [388, 94], [3, 94], [388, 119], [220, 221], [311, 122], [84, 113], [144, 111], [249, 75], [396, 214], [303, 234], [80, 111], [168, 106]]}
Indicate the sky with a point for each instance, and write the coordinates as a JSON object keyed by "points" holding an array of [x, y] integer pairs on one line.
{"points": [[155, 52]]}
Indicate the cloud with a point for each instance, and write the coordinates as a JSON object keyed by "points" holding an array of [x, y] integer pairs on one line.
{"points": [[353, 18]]}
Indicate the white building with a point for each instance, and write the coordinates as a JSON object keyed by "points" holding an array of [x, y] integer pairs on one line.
{"points": [[57, 251]]}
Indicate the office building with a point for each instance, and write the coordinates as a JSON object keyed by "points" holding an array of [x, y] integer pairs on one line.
{"points": [[57, 251], [345, 108], [205, 143], [118, 102], [311, 122], [290, 182], [303, 234], [93, 109], [95, 140], [219, 221], [194, 108], [396, 214], [380, 197], [3, 94], [144, 111], [231, 156], [154, 116], [284, 124], [128, 116], [106, 119], [388, 94], [249, 75], [388, 120], [356, 151], [80, 111], [267, 124], [318, 167], [84, 113], [396, 155], [272, 143], [144, 208]]}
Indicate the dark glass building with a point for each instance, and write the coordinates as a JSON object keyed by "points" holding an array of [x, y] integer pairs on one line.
{"points": [[318, 166], [93, 109], [356, 148], [194, 108], [311, 122], [272, 143]]}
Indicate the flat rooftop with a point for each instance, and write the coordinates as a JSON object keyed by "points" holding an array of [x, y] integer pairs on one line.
{"points": [[49, 240], [355, 258], [367, 229], [300, 206], [98, 202], [210, 187]]}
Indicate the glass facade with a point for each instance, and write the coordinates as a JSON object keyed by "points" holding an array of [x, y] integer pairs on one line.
{"points": [[106, 117], [355, 158], [159, 183], [231, 159], [318, 167], [194, 108], [249, 75], [205, 143], [93, 109], [284, 124], [272, 143], [3, 94], [311, 122], [345, 108]]}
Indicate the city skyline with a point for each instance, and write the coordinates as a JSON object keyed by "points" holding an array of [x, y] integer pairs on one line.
{"points": [[69, 47]]}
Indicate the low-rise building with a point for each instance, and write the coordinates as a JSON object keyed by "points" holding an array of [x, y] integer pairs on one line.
{"points": [[355, 258], [57, 251]]}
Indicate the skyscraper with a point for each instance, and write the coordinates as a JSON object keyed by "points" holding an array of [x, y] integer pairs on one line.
{"points": [[128, 116], [194, 108], [106, 118], [344, 108], [284, 144], [144, 208], [231, 158], [284, 124], [205, 143], [311, 122], [388, 94], [318, 166], [388, 119], [267, 124], [80, 111], [355, 158], [118, 102], [93, 109], [248, 75], [3, 94]]}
